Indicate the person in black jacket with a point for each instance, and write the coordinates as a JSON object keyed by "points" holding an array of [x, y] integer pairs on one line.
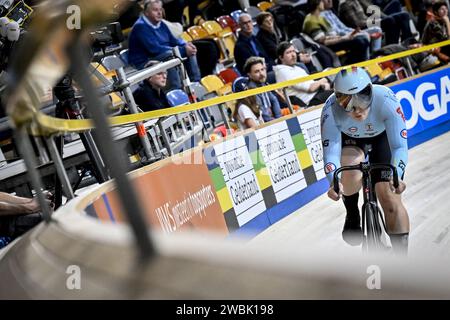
{"points": [[248, 45], [266, 34], [149, 95]]}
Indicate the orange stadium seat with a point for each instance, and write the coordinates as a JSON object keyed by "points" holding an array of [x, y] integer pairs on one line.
{"points": [[264, 5], [197, 32], [212, 27], [186, 36], [225, 39]]}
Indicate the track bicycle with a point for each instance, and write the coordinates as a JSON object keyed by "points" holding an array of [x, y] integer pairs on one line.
{"points": [[372, 217]]}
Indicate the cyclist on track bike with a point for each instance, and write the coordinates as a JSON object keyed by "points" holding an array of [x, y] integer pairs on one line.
{"points": [[359, 116]]}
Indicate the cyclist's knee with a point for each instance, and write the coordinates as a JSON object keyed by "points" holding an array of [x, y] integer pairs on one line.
{"points": [[351, 180], [351, 156], [351, 184], [390, 201]]}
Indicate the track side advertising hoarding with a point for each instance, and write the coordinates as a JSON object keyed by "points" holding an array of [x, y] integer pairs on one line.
{"points": [[279, 156], [171, 198], [424, 100], [230, 161]]}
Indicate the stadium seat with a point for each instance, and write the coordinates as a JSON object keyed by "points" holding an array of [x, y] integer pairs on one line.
{"points": [[212, 83], [197, 32], [225, 39], [177, 97], [212, 27], [264, 5], [299, 46], [235, 15], [186, 36], [228, 22], [199, 90], [253, 12], [240, 84], [228, 75]]}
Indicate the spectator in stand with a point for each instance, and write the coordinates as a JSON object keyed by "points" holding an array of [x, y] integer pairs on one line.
{"points": [[149, 95], [311, 92], [266, 34], [255, 68], [247, 112], [151, 39], [353, 14], [373, 34], [247, 45], [320, 30], [438, 29]]}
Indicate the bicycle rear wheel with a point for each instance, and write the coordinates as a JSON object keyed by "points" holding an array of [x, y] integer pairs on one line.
{"points": [[372, 227]]}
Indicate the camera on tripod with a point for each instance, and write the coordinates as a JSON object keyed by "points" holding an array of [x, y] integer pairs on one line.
{"points": [[107, 40]]}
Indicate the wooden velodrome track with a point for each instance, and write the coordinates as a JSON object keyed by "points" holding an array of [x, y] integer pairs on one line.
{"points": [[300, 257], [427, 200]]}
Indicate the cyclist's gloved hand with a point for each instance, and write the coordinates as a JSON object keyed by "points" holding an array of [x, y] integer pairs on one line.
{"points": [[401, 186], [333, 195]]}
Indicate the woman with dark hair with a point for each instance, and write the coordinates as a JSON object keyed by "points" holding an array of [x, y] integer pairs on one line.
{"points": [[247, 112], [266, 34], [318, 28]]}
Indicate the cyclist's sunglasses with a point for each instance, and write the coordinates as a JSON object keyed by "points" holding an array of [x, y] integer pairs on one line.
{"points": [[349, 102]]}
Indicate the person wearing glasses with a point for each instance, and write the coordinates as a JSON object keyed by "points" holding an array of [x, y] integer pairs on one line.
{"points": [[247, 45], [151, 39], [360, 115], [150, 95]]}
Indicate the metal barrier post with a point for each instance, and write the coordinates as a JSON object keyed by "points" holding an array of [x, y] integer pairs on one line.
{"points": [[165, 138], [26, 150], [224, 116], [288, 101], [109, 151], [142, 132], [60, 170]]}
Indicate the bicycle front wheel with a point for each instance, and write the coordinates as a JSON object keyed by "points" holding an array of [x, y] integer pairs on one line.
{"points": [[372, 228]]}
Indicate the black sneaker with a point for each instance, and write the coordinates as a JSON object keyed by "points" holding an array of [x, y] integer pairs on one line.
{"points": [[352, 232]]}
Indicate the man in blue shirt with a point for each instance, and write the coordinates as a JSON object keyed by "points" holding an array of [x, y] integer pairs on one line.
{"points": [[255, 68], [151, 39]]}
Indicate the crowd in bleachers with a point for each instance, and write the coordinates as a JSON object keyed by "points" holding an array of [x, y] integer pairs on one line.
{"points": [[231, 46]]}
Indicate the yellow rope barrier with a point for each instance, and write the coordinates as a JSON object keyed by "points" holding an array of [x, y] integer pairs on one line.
{"points": [[51, 125]]}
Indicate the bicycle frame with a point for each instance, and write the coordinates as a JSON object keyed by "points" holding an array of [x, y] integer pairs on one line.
{"points": [[370, 210]]}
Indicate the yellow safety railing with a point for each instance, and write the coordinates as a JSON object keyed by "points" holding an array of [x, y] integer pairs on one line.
{"points": [[46, 125]]}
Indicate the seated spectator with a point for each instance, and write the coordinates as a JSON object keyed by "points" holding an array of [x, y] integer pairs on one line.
{"points": [[151, 39], [353, 14], [311, 92], [320, 30], [438, 29], [388, 6], [373, 34], [326, 56], [149, 95], [266, 34], [247, 112], [247, 45], [255, 68], [18, 215], [208, 52]]}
